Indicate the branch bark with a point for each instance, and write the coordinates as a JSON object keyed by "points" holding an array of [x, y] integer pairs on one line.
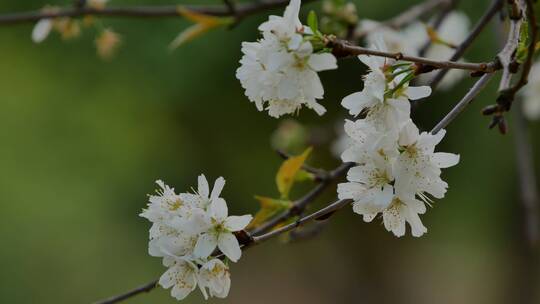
{"points": [[463, 103], [156, 11], [342, 48]]}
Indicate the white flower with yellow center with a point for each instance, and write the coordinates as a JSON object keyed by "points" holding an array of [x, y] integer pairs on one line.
{"points": [[220, 232], [214, 276]]}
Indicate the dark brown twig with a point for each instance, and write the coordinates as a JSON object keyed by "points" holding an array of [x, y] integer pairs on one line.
{"points": [[155, 11], [463, 103], [344, 49], [142, 289], [300, 205]]}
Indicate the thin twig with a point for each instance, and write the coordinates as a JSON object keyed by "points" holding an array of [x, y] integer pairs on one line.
{"points": [[495, 7], [318, 214], [155, 11], [463, 103], [300, 205], [119, 298], [343, 49]]}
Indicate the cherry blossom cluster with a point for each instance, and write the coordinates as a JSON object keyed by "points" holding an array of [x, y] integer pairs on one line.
{"points": [[279, 71], [187, 229], [397, 169]]}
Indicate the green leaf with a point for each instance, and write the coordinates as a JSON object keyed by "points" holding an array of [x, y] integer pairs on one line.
{"points": [[286, 175], [313, 22], [270, 207], [523, 44], [303, 175]]}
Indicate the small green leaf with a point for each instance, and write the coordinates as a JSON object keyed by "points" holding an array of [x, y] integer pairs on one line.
{"points": [[303, 175], [523, 44], [313, 22]]}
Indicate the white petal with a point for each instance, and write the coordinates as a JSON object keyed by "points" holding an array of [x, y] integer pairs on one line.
{"points": [[409, 134], [218, 187], [295, 42], [203, 187], [228, 244], [168, 278], [356, 102], [415, 93], [322, 62], [237, 223], [218, 209], [41, 30], [205, 245], [445, 160]]}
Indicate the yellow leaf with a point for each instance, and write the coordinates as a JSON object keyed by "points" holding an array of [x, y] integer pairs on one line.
{"points": [[286, 175], [203, 23], [269, 208]]}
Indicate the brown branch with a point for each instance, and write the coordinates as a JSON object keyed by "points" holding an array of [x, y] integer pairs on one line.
{"points": [[119, 298], [300, 205], [463, 103], [520, 10], [342, 48], [495, 7], [156, 11], [314, 216]]}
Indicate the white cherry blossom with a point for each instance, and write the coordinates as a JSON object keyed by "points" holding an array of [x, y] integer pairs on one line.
{"points": [[287, 26], [370, 184], [279, 72], [418, 168], [399, 212], [181, 276], [453, 30], [367, 140], [220, 232], [214, 276], [408, 40]]}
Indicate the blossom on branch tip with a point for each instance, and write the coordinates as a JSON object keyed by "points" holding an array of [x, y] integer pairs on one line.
{"points": [[279, 72]]}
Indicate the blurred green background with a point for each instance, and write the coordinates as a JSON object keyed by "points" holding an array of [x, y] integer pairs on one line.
{"points": [[83, 140]]}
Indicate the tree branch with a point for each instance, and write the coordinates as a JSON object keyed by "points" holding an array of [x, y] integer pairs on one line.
{"points": [[463, 103], [156, 11], [300, 205], [342, 48]]}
